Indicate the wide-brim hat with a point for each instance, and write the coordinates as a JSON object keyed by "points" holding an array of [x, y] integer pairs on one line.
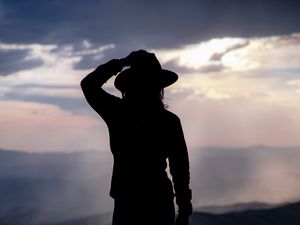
{"points": [[145, 71]]}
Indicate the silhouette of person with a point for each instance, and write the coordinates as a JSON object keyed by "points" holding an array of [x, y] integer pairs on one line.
{"points": [[143, 136]]}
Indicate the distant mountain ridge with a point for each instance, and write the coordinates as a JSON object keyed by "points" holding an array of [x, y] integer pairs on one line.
{"points": [[237, 207], [284, 215], [72, 188]]}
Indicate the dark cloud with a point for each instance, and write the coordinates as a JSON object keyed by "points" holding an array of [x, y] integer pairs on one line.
{"points": [[133, 24], [144, 23], [87, 62], [65, 103], [76, 105], [14, 60]]}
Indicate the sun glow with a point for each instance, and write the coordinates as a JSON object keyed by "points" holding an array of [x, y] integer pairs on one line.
{"points": [[206, 54], [196, 56]]}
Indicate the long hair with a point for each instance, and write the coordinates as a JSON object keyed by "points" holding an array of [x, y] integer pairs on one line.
{"points": [[162, 98]]}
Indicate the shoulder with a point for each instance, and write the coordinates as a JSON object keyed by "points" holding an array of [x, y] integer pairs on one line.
{"points": [[172, 117]]}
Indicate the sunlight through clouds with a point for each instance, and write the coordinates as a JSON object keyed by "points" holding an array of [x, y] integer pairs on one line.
{"points": [[295, 83], [252, 99], [204, 54], [245, 84], [250, 66], [238, 54]]}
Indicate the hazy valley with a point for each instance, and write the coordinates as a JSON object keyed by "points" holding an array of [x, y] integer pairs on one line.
{"points": [[72, 188]]}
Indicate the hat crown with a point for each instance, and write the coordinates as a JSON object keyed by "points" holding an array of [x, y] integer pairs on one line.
{"points": [[147, 62]]}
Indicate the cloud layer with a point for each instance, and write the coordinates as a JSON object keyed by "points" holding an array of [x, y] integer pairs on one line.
{"points": [[231, 91], [143, 23]]}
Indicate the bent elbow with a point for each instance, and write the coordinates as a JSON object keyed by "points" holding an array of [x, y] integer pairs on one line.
{"points": [[83, 83]]}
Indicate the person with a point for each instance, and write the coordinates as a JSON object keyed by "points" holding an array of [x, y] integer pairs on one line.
{"points": [[143, 136]]}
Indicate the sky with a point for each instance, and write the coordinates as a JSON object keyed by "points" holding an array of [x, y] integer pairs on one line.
{"points": [[238, 64]]}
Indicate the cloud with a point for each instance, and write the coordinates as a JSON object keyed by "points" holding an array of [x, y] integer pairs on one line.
{"points": [[18, 57], [141, 24], [218, 55], [61, 99], [251, 100], [181, 69], [1, 11], [23, 127], [91, 56], [267, 55], [23, 57], [203, 57], [132, 25], [55, 80], [15, 60], [296, 84]]}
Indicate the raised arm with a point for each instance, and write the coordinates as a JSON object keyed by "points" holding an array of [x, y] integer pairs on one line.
{"points": [[179, 169], [101, 101]]}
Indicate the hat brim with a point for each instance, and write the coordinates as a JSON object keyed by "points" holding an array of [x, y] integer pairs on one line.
{"points": [[129, 78]]}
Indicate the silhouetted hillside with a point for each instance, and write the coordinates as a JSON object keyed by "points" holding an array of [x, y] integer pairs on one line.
{"points": [[284, 215], [237, 207], [23, 218]]}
